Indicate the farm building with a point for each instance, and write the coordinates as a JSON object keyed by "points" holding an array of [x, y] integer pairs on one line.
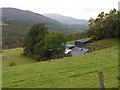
{"points": [[78, 51], [81, 43], [69, 46], [75, 50]]}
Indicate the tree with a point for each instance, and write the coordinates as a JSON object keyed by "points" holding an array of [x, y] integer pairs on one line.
{"points": [[77, 35], [106, 25], [111, 23], [91, 27], [35, 35], [53, 46], [42, 45], [55, 41]]}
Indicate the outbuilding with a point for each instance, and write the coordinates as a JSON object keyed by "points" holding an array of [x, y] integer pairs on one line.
{"points": [[81, 43], [69, 46]]}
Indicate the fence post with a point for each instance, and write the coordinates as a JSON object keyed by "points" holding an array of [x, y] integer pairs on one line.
{"points": [[101, 80], [118, 81]]}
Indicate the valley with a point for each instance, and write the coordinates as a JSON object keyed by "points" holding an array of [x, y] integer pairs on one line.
{"points": [[41, 51]]}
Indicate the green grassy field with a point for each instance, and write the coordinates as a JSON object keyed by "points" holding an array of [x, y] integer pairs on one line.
{"points": [[77, 72], [15, 55], [71, 42], [107, 42], [3, 24]]}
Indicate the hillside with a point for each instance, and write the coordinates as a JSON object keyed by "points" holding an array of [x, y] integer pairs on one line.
{"points": [[76, 72], [14, 30], [33, 18], [15, 56], [24, 15], [65, 19]]}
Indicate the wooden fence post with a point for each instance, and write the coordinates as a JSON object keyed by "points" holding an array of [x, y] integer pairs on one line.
{"points": [[118, 81], [101, 80]]}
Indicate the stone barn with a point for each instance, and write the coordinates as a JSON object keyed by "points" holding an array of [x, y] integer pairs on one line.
{"points": [[69, 46], [81, 43]]}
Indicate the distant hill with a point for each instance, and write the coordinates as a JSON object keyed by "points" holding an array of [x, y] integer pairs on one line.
{"points": [[33, 18], [65, 19], [28, 17], [16, 24], [25, 15], [13, 31]]}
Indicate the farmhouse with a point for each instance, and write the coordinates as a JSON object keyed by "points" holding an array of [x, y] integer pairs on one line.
{"points": [[81, 43], [79, 51], [69, 46], [73, 50]]}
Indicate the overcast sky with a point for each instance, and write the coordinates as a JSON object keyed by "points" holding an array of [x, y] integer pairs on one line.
{"points": [[80, 9]]}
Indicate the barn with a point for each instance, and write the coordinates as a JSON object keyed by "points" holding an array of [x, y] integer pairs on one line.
{"points": [[69, 46], [81, 43]]}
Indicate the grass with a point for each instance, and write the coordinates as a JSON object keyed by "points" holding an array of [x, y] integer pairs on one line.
{"points": [[15, 56], [102, 44], [73, 42], [78, 72], [85, 38], [107, 42], [3, 24]]}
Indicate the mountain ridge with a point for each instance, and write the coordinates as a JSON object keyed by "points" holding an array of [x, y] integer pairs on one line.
{"points": [[33, 18], [15, 14], [66, 19]]}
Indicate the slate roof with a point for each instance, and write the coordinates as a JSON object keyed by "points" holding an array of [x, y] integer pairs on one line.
{"points": [[70, 46], [77, 51], [82, 41]]}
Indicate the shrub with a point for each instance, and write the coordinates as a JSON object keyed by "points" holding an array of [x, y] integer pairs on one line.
{"points": [[12, 64]]}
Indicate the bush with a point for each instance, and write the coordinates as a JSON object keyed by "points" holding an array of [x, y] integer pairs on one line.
{"points": [[94, 47], [12, 64]]}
